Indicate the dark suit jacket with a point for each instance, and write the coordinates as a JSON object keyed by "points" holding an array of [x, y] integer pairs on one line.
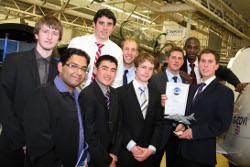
{"points": [[102, 127], [144, 132], [222, 72], [20, 78], [159, 82], [51, 128], [213, 111]]}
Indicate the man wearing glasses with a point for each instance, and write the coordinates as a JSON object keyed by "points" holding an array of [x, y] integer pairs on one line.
{"points": [[53, 122]]}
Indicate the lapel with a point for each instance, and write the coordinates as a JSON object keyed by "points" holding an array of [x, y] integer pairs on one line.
{"points": [[150, 101], [32, 65], [184, 66], [206, 91], [163, 81], [52, 69], [113, 108], [131, 93], [99, 94]]}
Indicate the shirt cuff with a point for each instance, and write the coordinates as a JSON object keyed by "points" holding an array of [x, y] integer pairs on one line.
{"points": [[152, 148], [130, 145]]}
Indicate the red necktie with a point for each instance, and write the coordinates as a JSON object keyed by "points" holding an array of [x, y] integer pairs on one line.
{"points": [[194, 80], [98, 54]]}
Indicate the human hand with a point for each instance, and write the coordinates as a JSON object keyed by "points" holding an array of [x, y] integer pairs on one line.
{"points": [[146, 152], [136, 150], [240, 87], [187, 134], [163, 99], [24, 149]]}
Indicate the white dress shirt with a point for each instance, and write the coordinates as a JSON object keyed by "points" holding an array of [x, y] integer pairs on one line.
{"points": [[136, 85], [87, 44], [196, 70]]}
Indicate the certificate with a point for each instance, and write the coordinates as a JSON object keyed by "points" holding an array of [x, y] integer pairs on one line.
{"points": [[177, 94]]}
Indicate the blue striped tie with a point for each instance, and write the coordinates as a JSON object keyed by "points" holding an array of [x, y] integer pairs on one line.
{"points": [[107, 95], [143, 99]]}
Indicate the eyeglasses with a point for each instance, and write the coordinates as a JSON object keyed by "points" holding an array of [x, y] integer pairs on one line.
{"points": [[76, 68]]}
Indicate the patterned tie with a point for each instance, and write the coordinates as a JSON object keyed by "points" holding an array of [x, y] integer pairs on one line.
{"points": [[194, 80], [175, 79], [98, 54], [143, 99], [107, 96], [199, 90], [125, 80]]}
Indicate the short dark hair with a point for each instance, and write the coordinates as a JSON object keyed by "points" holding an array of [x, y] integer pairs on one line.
{"points": [[51, 22], [176, 49], [207, 51], [106, 58], [105, 12], [190, 39], [142, 57], [71, 51]]}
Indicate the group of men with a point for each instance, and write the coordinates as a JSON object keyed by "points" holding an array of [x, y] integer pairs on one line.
{"points": [[117, 119]]}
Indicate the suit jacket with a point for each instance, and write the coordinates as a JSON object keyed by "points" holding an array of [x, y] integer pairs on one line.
{"points": [[51, 127], [213, 111], [20, 78], [144, 132], [102, 126], [159, 82], [222, 72]]}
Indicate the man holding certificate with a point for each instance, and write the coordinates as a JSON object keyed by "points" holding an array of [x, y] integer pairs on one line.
{"points": [[211, 102], [175, 60]]}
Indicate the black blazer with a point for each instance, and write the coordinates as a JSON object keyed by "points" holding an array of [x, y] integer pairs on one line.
{"points": [[222, 73], [20, 78], [102, 127], [51, 128], [144, 132], [159, 82], [213, 111]]}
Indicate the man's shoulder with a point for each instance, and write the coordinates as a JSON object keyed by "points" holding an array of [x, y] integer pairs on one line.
{"points": [[19, 56], [114, 46], [158, 76]]}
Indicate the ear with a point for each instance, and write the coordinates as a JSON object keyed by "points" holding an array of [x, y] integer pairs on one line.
{"points": [[167, 59], [36, 36], [95, 70], [113, 28], [59, 67], [217, 66], [93, 24]]}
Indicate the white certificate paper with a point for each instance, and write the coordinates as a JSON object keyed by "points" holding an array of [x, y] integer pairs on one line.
{"points": [[177, 94]]}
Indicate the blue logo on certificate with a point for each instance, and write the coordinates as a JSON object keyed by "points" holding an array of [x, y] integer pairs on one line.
{"points": [[177, 91]]}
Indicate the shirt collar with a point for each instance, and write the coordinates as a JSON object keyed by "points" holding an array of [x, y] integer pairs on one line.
{"points": [[208, 81], [95, 40], [129, 70], [170, 75], [60, 85], [196, 63], [104, 90], [38, 56], [137, 84]]}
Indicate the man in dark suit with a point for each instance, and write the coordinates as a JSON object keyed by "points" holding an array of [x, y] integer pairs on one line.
{"points": [[212, 105], [192, 48], [102, 118], [53, 122], [22, 73], [175, 60], [142, 118]]}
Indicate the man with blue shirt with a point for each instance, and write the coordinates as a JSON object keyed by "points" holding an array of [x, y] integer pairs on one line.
{"points": [[175, 60], [53, 122], [130, 52]]}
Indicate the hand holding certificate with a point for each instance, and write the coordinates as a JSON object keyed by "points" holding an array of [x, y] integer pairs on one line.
{"points": [[177, 98]]}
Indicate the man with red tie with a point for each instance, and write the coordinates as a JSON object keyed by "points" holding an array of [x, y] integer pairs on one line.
{"points": [[99, 44]]}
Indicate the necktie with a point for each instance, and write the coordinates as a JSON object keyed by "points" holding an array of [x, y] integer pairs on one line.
{"points": [[199, 90], [107, 96], [125, 80], [175, 79], [143, 99], [194, 80], [98, 54]]}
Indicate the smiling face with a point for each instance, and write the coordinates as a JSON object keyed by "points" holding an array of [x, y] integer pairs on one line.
{"points": [[103, 28], [47, 38], [175, 61], [207, 66], [144, 72], [73, 77], [130, 51], [105, 73]]}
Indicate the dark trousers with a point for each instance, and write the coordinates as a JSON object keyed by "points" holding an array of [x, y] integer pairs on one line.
{"points": [[181, 162]]}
